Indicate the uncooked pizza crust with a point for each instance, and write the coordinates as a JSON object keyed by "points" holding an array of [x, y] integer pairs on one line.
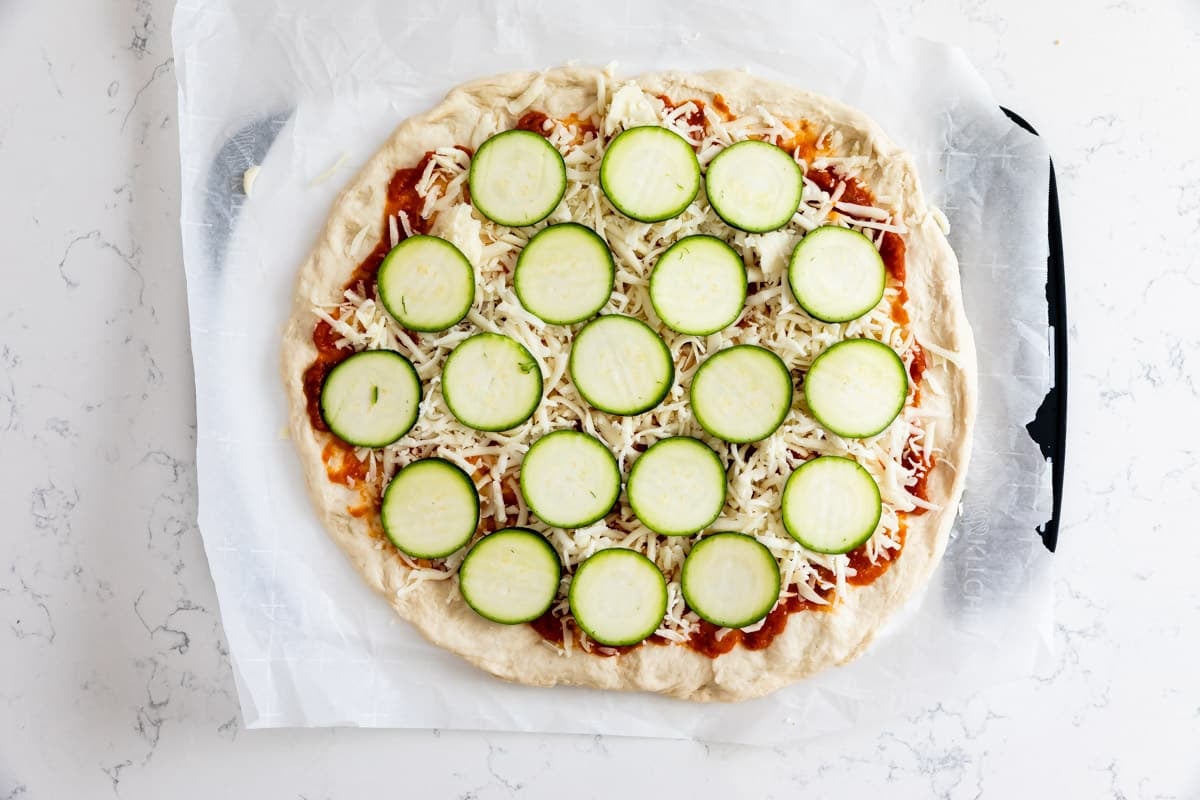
{"points": [[811, 641]]}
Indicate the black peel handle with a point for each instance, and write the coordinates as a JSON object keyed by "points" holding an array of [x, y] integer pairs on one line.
{"points": [[1049, 426]]}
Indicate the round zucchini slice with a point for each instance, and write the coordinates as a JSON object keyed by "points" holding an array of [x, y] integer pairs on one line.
{"points": [[430, 509], [831, 504], [856, 388], [491, 383], [517, 178], [372, 398], [426, 283], [677, 487], [565, 274], [510, 576], [836, 274], [698, 285], [730, 579], [620, 365], [754, 186], [570, 479], [650, 173], [618, 597], [742, 393]]}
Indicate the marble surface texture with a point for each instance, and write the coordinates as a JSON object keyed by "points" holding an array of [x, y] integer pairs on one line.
{"points": [[114, 675]]}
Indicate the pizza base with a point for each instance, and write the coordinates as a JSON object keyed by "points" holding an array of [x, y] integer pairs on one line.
{"points": [[812, 641]]}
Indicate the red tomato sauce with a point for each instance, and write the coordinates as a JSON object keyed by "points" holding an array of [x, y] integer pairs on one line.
{"points": [[828, 179], [695, 117], [534, 121], [721, 107], [866, 573], [342, 466], [401, 196]]}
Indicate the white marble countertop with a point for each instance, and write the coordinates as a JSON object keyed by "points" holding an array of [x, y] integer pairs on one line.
{"points": [[114, 676]]}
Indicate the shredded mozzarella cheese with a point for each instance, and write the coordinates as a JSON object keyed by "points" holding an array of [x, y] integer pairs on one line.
{"points": [[770, 319]]}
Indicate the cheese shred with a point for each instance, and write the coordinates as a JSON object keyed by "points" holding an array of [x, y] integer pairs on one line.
{"points": [[771, 319]]}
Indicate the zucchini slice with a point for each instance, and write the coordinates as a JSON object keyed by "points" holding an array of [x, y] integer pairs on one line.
{"points": [[856, 388], [491, 383], [620, 365], [730, 579], [836, 274], [741, 393], [372, 398], [677, 487], [565, 274], [618, 597], [430, 509], [831, 504], [698, 285], [754, 186], [650, 173], [510, 576], [426, 283], [517, 178], [570, 479]]}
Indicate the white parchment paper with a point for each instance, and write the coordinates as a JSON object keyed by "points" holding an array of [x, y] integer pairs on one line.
{"points": [[307, 86]]}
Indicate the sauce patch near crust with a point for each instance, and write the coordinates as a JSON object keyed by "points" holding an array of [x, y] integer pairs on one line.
{"points": [[427, 193]]}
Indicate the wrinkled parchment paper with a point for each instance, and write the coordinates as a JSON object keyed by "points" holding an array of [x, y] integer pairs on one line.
{"points": [[309, 90]]}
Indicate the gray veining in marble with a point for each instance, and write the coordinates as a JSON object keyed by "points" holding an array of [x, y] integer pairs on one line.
{"points": [[114, 678]]}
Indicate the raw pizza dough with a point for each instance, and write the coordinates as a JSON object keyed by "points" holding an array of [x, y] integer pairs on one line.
{"points": [[812, 641]]}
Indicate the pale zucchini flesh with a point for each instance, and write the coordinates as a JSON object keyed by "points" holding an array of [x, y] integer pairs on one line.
{"points": [[565, 274], [831, 504], [430, 509], [569, 479], [856, 388], [836, 274], [698, 285], [517, 178], [371, 399], [650, 173], [754, 186], [490, 382], [677, 487], [620, 365], [618, 597], [510, 576], [730, 580], [426, 283], [742, 393]]}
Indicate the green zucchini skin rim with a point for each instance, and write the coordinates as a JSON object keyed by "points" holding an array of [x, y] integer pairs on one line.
{"points": [[618, 206], [416, 415], [616, 495], [782, 416], [612, 272], [400, 317], [483, 150], [460, 473], [524, 532], [845, 434], [683, 582], [858, 542], [609, 409], [716, 207]]}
